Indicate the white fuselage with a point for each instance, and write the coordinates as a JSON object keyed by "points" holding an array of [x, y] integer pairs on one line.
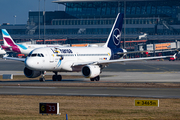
{"points": [[2, 52], [62, 59]]}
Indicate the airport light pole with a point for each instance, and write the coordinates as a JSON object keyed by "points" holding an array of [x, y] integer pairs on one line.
{"points": [[14, 19], [44, 21], [39, 19], [124, 46]]}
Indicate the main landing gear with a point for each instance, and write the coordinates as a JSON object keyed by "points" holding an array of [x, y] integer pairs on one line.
{"points": [[97, 78], [56, 77]]}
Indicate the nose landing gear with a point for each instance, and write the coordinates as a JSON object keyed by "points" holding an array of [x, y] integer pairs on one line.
{"points": [[42, 79]]}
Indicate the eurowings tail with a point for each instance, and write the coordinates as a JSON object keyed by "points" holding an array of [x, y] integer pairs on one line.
{"points": [[114, 38], [8, 41]]}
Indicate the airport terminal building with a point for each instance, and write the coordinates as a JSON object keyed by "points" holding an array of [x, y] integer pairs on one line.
{"points": [[90, 21]]}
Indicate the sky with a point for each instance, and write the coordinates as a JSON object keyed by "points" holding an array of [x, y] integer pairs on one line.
{"points": [[20, 9]]}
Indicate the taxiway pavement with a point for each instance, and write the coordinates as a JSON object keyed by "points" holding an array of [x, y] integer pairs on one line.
{"points": [[92, 91], [131, 72], [136, 66]]}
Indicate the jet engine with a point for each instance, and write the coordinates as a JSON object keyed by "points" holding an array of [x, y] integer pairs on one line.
{"points": [[31, 73], [91, 71]]}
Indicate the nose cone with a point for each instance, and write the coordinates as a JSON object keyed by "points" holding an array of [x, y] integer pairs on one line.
{"points": [[29, 63]]}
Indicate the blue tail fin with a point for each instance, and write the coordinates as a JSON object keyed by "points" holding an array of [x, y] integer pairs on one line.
{"points": [[114, 38]]}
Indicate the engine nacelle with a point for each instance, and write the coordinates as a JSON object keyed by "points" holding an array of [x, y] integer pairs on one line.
{"points": [[31, 73], [91, 71]]}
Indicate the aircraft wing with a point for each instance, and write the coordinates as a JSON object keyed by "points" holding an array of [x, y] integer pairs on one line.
{"points": [[120, 60], [131, 52], [14, 58]]}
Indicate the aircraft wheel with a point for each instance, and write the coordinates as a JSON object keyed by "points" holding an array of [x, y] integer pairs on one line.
{"points": [[59, 77], [97, 78], [92, 79], [54, 77]]}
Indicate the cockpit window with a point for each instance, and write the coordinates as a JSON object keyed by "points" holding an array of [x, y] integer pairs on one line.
{"points": [[29, 55], [39, 55], [36, 54], [33, 55]]}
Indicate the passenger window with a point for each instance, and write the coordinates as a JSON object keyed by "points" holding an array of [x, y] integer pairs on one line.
{"points": [[42, 55]]}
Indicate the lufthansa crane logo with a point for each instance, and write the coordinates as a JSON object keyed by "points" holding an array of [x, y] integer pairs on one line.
{"points": [[116, 36]]}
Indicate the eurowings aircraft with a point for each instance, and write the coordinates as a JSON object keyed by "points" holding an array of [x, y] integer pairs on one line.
{"points": [[89, 60], [10, 45]]}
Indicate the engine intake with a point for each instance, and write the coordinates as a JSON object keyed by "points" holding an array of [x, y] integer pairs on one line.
{"points": [[91, 71], [31, 73]]}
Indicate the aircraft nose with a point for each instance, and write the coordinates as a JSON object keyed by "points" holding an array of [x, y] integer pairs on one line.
{"points": [[29, 63]]}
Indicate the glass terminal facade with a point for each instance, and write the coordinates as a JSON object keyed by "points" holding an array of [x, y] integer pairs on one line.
{"points": [[154, 17], [91, 21]]}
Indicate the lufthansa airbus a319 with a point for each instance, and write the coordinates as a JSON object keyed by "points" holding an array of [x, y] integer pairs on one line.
{"points": [[88, 60]]}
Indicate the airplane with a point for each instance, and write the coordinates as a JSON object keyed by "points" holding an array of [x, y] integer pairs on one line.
{"points": [[88, 60], [2, 51], [10, 45]]}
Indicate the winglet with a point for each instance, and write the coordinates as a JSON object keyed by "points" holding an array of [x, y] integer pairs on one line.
{"points": [[174, 56]]}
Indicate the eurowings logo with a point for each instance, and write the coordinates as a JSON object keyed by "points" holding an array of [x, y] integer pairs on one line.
{"points": [[116, 36]]}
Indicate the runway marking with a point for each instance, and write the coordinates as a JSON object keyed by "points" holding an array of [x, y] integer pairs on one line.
{"points": [[27, 87], [19, 72], [158, 72], [80, 88], [134, 69], [156, 68], [10, 92]]}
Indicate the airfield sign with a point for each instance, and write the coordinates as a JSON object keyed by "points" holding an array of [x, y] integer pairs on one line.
{"points": [[49, 108], [146, 102]]}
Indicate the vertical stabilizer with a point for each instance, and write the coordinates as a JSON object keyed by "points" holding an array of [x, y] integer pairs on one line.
{"points": [[114, 38], [7, 38]]}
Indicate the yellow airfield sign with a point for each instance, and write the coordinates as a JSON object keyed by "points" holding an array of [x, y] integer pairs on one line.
{"points": [[143, 102]]}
